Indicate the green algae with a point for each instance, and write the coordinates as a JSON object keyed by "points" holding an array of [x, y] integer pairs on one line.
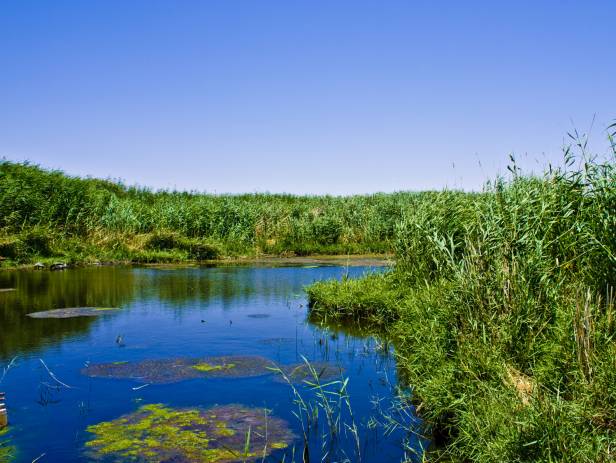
{"points": [[156, 433], [166, 371], [207, 367], [7, 451], [71, 312]]}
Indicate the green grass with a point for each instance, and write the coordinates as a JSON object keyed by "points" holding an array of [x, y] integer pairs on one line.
{"points": [[48, 216], [501, 309]]}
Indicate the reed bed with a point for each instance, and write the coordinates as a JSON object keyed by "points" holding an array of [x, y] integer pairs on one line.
{"points": [[49, 215], [501, 308]]}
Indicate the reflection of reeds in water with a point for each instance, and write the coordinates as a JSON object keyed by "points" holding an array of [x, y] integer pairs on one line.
{"points": [[39, 291]]}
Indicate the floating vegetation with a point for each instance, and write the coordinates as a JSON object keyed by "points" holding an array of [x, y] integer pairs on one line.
{"points": [[156, 433], [258, 315], [72, 312], [165, 371], [208, 367], [301, 372], [7, 451]]}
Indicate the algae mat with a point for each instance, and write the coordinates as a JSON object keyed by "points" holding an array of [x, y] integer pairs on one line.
{"points": [[7, 451], [165, 371], [71, 312], [157, 433]]}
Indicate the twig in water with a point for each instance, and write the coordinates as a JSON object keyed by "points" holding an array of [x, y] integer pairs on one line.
{"points": [[136, 388], [54, 377]]}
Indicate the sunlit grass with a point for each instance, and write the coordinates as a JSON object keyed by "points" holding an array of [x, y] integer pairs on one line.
{"points": [[501, 307]]}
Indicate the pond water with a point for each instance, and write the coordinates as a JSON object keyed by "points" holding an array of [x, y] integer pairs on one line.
{"points": [[188, 356]]}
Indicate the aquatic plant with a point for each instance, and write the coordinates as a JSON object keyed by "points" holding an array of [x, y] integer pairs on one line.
{"points": [[72, 312], [157, 433], [7, 450], [501, 310], [307, 372], [208, 367], [330, 397], [165, 371]]}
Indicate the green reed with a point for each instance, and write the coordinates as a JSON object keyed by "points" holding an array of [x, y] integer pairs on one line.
{"points": [[47, 214], [501, 308]]}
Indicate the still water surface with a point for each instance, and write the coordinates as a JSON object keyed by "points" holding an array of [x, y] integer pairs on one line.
{"points": [[186, 312]]}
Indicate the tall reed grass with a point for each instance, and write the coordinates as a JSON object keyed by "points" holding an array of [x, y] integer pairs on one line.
{"points": [[501, 306], [49, 214]]}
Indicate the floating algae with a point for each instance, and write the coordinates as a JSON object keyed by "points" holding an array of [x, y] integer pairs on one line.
{"points": [[7, 451], [156, 433], [165, 371], [71, 312]]}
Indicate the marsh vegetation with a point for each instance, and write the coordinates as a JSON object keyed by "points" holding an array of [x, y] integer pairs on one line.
{"points": [[501, 309], [48, 216]]}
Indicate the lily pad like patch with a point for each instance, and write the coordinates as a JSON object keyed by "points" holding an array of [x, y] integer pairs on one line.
{"points": [[156, 433], [73, 312], [165, 371]]}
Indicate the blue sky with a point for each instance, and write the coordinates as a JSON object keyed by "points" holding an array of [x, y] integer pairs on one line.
{"points": [[301, 96]]}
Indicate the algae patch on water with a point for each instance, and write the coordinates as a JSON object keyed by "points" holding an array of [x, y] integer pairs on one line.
{"points": [[71, 312], [208, 367], [157, 433], [165, 371], [7, 451]]}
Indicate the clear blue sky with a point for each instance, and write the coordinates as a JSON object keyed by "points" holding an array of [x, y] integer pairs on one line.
{"points": [[301, 96]]}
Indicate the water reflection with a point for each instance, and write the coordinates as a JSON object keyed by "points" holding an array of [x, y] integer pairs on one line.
{"points": [[171, 313], [176, 287]]}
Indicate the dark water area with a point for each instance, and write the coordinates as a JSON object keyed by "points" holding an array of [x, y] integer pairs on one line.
{"points": [[185, 315]]}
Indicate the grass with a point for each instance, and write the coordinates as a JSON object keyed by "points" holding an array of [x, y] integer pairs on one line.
{"points": [[501, 308], [48, 216]]}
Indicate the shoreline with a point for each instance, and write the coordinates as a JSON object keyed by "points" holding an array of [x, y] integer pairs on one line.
{"points": [[352, 260]]}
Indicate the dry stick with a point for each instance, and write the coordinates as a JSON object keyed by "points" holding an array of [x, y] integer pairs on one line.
{"points": [[140, 387], [54, 377]]}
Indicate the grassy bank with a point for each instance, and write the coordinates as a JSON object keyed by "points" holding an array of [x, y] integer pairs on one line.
{"points": [[49, 216], [502, 311]]}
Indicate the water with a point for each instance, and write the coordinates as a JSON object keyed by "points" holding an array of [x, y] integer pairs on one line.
{"points": [[179, 312]]}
